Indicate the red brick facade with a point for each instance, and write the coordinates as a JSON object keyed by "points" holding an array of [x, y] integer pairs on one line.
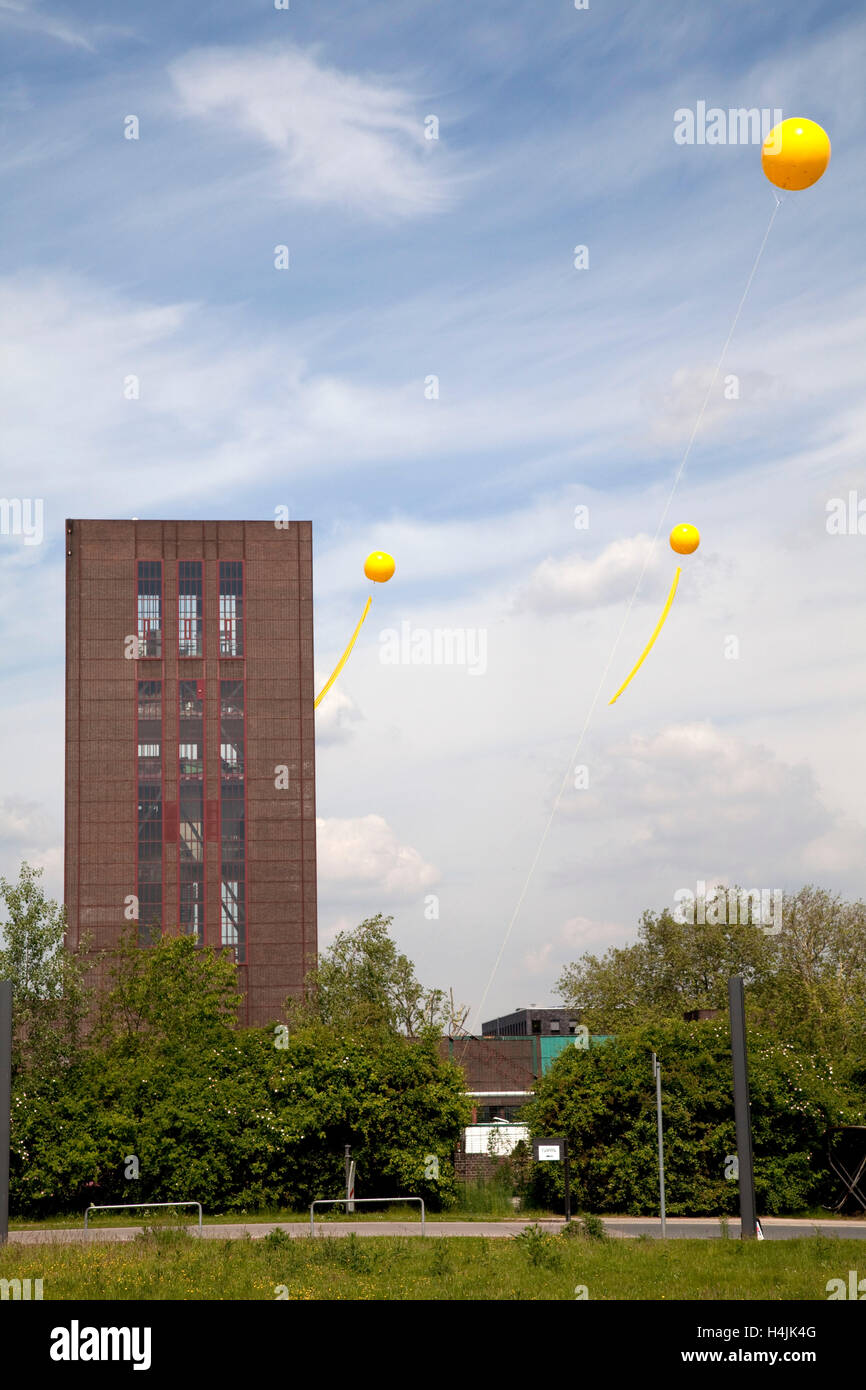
{"points": [[103, 738]]}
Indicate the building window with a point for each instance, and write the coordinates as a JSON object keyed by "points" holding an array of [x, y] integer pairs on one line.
{"points": [[554, 1025], [149, 857], [191, 809], [230, 913], [232, 817], [189, 608], [150, 608], [229, 755], [231, 608]]}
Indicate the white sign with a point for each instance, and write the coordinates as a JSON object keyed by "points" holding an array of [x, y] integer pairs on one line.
{"points": [[496, 1139], [548, 1152]]}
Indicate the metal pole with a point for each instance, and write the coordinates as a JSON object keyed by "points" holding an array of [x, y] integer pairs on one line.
{"points": [[657, 1073], [567, 1177], [348, 1166], [5, 1102], [737, 1004]]}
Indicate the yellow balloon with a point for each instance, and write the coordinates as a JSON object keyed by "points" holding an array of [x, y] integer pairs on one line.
{"points": [[379, 566], [685, 539], [795, 154]]}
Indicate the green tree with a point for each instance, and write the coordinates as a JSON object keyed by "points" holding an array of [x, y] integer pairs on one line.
{"points": [[49, 1000], [808, 981], [173, 990], [364, 983], [817, 990]]}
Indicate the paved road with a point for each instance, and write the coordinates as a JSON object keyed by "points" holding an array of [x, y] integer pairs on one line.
{"points": [[696, 1228], [678, 1227]]}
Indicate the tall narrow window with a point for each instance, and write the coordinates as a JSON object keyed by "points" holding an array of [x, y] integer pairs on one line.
{"points": [[232, 818], [231, 608], [150, 607], [149, 884], [189, 608], [191, 809]]}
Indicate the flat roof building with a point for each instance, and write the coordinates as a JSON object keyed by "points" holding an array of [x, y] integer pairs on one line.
{"points": [[190, 763], [545, 1023]]}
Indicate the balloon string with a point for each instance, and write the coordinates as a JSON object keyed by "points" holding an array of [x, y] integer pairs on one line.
{"points": [[637, 586], [648, 648], [345, 657]]}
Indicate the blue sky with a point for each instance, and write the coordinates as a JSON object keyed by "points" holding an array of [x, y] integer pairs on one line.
{"points": [[558, 387]]}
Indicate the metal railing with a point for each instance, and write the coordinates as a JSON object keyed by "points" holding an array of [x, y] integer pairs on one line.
{"points": [[126, 1206], [340, 1201]]}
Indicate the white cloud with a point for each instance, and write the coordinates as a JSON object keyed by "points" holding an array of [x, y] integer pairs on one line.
{"points": [[720, 399], [365, 850], [696, 801], [25, 823], [573, 583], [29, 833], [335, 716], [337, 138], [575, 936]]}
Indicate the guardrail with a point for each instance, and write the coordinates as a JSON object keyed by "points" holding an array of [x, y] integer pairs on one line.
{"points": [[340, 1201], [127, 1206]]}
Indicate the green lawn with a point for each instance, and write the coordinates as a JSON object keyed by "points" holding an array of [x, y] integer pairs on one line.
{"points": [[173, 1265]]}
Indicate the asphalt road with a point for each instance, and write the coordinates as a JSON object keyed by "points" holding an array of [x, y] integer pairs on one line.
{"points": [[678, 1228]]}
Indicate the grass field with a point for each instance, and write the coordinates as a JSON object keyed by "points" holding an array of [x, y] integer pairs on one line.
{"points": [[172, 1265]]}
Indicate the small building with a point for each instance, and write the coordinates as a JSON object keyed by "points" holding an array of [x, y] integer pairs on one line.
{"points": [[527, 1023], [501, 1070]]}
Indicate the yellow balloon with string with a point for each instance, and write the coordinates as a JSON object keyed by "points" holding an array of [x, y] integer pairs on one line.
{"points": [[795, 154], [684, 540], [379, 567]]}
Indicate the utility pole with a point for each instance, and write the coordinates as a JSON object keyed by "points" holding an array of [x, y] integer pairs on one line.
{"points": [[657, 1074], [742, 1113]]}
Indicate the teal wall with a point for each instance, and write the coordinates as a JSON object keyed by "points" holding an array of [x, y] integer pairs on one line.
{"points": [[551, 1047]]}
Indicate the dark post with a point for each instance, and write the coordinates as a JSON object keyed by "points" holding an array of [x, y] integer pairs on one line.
{"points": [[737, 1003], [657, 1073], [567, 1177], [5, 1102]]}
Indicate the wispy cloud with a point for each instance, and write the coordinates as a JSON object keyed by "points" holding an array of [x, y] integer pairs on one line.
{"points": [[337, 139], [29, 18]]}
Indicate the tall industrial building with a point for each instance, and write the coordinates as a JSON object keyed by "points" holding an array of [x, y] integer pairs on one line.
{"points": [[190, 762]]}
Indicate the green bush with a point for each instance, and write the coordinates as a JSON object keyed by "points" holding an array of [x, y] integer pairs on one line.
{"points": [[603, 1100], [237, 1123]]}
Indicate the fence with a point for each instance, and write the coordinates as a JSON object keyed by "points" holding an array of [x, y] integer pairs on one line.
{"points": [[339, 1201], [127, 1206]]}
